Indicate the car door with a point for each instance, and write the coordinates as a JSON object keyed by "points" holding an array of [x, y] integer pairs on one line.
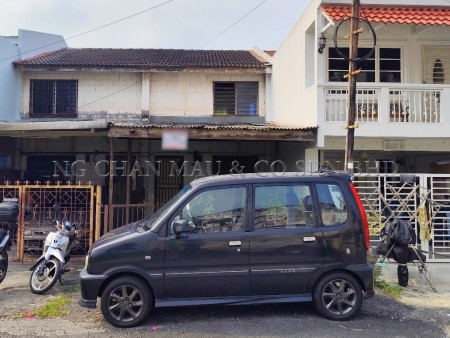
{"points": [[286, 246], [212, 259]]}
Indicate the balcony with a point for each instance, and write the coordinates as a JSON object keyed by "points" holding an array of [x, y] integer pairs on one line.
{"points": [[381, 108]]}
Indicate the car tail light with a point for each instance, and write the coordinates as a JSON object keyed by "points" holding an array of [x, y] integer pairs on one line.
{"points": [[363, 215]]}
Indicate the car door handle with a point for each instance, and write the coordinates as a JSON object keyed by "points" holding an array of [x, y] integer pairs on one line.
{"points": [[235, 243], [310, 239]]}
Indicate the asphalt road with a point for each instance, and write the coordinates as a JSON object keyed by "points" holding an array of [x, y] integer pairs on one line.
{"points": [[381, 316]]}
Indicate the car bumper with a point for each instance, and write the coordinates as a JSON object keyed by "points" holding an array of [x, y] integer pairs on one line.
{"points": [[90, 287], [365, 273]]}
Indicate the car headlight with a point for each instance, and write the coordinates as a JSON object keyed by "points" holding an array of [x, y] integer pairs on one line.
{"points": [[27, 232]]}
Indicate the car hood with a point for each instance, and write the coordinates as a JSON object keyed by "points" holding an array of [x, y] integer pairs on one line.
{"points": [[120, 232]]}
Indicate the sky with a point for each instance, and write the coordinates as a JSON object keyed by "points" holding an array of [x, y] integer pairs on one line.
{"points": [[183, 24]]}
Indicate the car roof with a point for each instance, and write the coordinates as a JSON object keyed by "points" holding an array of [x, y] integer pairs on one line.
{"points": [[246, 178]]}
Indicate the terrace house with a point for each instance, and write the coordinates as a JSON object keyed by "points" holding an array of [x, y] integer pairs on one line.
{"points": [[403, 90], [186, 113]]}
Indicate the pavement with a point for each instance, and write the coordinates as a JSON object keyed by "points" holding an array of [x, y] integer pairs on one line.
{"points": [[18, 275], [436, 276], [381, 316]]}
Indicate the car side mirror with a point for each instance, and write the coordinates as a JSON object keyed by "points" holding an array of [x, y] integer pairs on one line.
{"points": [[180, 226], [56, 208]]}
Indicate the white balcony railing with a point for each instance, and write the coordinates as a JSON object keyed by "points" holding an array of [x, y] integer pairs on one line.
{"points": [[393, 103]]}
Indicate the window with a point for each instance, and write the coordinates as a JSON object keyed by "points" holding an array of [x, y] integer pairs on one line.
{"points": [[235, 98], [217, 210], [53, 98], [283, 206], [383, 66], [333, 209], [438, 72]]}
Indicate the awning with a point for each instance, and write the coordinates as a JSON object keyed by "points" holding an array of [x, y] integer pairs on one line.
{"points": [[267, 131], [412, 16]]}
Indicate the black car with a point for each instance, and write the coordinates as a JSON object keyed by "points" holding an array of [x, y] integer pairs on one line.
{"points": [[237, 240]]}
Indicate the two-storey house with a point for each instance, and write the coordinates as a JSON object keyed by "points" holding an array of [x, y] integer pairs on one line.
{"points": [[402, 104], [403, 89], [95, 106]]}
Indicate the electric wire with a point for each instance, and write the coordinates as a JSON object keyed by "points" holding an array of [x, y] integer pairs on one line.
{"points": [[91, 30], [232, 25], [109, 95]]}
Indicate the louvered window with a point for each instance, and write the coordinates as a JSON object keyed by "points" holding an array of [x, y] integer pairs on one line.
{"points": [[438, 72], [52, 98], [235, 98]]}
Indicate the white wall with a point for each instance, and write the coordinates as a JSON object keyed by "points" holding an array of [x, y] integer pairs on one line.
{"points": [[125, 95], [294, 95], [25, 45], [117, 95], [191, 94], [8, 80]]}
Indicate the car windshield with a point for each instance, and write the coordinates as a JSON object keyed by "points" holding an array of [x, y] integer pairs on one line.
{"points": [[148, 223]]}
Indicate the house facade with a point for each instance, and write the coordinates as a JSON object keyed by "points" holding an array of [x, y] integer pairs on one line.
{"points": [[403, 90], [154, 118]]}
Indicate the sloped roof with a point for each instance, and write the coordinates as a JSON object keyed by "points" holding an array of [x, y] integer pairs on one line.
{"points": [[212, 126], [415, 16], [266, 131], [143, 58]]}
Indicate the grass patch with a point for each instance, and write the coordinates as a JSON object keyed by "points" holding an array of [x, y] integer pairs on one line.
{"points": [[74, 288], [52, 308], [392, 290]]}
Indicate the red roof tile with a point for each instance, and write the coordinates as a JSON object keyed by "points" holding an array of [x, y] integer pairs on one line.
{"points": [[143, 58], [414, 16]]}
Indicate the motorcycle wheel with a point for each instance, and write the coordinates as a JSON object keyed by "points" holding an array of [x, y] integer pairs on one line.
{"points": [[3, 255], [41, 284]]}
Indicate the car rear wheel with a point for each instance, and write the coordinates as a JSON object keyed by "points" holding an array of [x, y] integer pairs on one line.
{"points": [[338, 296], [126, 302]]}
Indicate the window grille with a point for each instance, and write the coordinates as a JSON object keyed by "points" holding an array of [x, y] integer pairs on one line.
{"points": [[50, 98]]}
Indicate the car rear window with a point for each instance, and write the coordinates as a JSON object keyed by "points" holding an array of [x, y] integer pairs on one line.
{"points": [[333, 208]]}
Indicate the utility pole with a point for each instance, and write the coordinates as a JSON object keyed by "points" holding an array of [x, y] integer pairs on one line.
{"points": [[352, 72]]}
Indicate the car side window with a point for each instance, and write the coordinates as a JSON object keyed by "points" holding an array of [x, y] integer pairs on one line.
{"points": [[283, 206], [216, 210], [333, 209]]}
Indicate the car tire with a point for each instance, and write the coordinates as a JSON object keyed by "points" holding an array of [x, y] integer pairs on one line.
{"points": [[338, 296], [126, 302]]}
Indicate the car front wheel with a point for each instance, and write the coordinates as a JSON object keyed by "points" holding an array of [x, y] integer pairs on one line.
{"points": [[338, 296], [126, 302]]}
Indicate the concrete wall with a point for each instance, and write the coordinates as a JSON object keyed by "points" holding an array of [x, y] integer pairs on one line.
{"points": [[25, 45], [191, 94], [294, 73], [100, 94], [8, 80], [129, 95]]}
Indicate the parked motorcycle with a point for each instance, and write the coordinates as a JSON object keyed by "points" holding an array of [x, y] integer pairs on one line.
{"points": [[8, 226], [53, 263], [5, 244]]}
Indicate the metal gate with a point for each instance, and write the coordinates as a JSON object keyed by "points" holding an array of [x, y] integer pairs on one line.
{"points": [[168, 183], [36, 201], [421, 199]]}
